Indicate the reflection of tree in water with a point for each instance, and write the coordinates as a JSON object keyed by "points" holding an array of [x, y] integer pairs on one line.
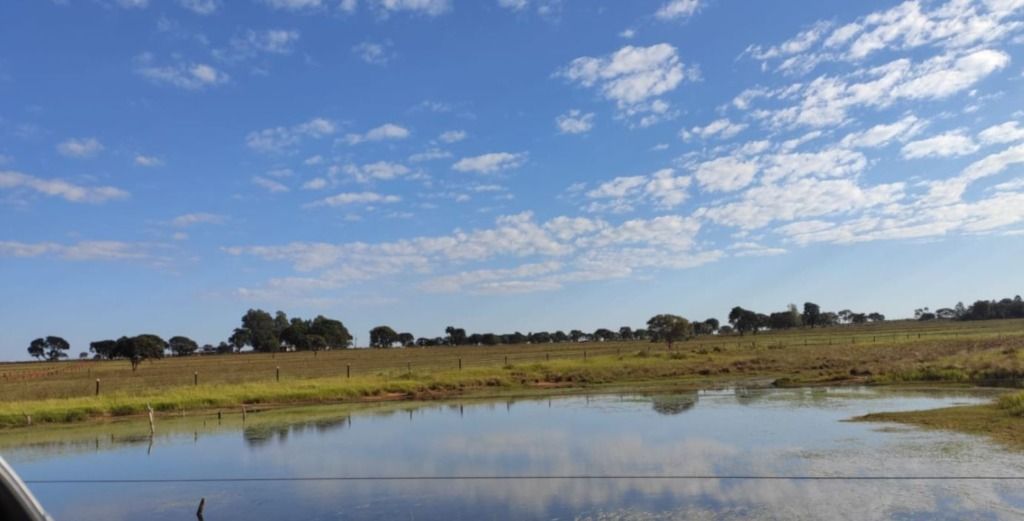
{"points": [[259, 435], [747, 396], [668, 404]]}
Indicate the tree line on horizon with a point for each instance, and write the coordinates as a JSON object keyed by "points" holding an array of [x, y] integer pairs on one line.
{"points": [[265, 333]]}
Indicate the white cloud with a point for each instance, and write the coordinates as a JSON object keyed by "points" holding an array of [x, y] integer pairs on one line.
{"points": [[295, 5], [722, 128], [628, 34], [184, 75], [662, 189], [430, 154], [380, 170], [753, 249], [269, 185], [317, 183], [374, 53], [133, 4], [387, 131], [514, 5], [80, 147], [826, 100], [252, 43], [1008, 132], [147, 161], [632, 77], [954, 25], [348, 198], [452, 136], [80, 251], [949, 144], [192, 219], [490, 163], [575, 122], [830, 162], [883, 134], [677, 9], [427, 7], [281, 139], [10, 180], [725, 174], [802, 198], [202, 7]]}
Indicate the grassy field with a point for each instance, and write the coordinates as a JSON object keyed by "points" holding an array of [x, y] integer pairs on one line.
{"points": [[979, 353]]}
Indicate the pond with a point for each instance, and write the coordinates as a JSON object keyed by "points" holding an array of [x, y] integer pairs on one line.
{"points": [[718, 454]]}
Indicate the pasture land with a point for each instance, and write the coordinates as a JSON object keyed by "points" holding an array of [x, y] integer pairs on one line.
{"points": [[897, 352]]}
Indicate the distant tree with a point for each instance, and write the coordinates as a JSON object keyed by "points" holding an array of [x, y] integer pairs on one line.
{"points": [[182, 345], [876, 317], [859, 318], [725, 330], [782, 320], [926, 316], [224, 348], [456, 336], [334, 332], [640, 334], [104, 348], [52, 347], [576, 335], [668, 328], [383, 336], [626, 333], [296, 334], [139, 348], [489, 339], [83, 356], [603, 335], [812, 314], [207, 349], [559, 336], [743, 320], [540, 337], [259, 330], [711, 324], [406, 339], [845, 315], [828, 318]]}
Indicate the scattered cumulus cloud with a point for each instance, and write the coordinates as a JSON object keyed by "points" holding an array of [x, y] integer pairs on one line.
{"points": [[184, 75], [83, 148], [490, 163], [575, 122], [269, 184], [720, 128], [634, 78], [283, 139], [147, 161], [677, 10], [201, 7], [374, 53], [949, 144], [350, 198], [387, 131], [192, 219], [11, 180]]}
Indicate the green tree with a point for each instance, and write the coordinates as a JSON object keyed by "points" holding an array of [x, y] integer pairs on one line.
{"points": [[383, 336], [182, 345], [335, 334], [406, 339], [37, 348], [668, 328], [258, 330], [456, 336], [52, 347], [104, 348], [812, 314]]}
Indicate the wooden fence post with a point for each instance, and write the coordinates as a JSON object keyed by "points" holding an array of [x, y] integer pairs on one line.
{"points": [[460, 363], [97, 387], [277, 373], [195, 378], [348, 370]]}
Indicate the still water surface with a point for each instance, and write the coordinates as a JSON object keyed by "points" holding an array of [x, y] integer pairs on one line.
{"points": [[714, 433]]}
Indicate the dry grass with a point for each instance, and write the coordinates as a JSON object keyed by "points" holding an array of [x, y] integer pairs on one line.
{"points": [[896, 352]]}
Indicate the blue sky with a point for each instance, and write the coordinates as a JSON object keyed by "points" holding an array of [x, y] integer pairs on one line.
{"points": [[500, 165]]}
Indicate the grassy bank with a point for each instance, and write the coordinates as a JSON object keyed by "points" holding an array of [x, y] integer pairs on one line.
{"points": [[547, 377], [1002, 420], [973, 353]]}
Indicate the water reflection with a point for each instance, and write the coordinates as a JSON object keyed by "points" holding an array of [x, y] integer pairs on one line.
{"points": [[715, 433]]}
